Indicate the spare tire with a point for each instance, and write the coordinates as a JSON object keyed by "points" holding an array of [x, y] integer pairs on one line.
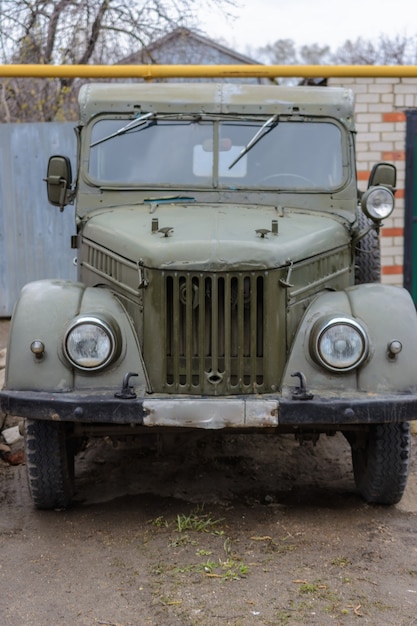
{"points": [[367, 253]]}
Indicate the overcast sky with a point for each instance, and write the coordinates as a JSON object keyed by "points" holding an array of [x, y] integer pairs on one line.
{"points": [[260, 22]]}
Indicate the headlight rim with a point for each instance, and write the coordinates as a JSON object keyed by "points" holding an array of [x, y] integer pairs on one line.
{"points": [[111, 330], [322, 325], [365, 202]]}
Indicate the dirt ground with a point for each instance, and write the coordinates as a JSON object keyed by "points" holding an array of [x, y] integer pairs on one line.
{"points": [[212, 530]]}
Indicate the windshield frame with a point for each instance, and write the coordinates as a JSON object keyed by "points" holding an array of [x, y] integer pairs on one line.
{"points": [[263, 125]]}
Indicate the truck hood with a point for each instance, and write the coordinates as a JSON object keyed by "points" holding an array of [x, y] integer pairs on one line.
{"points": [[212, 237]]}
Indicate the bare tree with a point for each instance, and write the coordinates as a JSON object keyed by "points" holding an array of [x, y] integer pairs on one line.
{"points": [[282, 52], [76, 32], [285, 52], [315, 54], [385, 50]]}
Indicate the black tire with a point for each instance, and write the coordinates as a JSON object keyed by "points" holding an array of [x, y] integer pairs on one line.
{"points": [[50, 464], [367, 253], [380, 458]]}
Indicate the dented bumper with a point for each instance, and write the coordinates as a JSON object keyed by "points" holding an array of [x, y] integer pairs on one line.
{"points": [[211, 413]]}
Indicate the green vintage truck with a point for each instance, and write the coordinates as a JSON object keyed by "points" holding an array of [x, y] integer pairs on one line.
{"points": [[228, 278]]}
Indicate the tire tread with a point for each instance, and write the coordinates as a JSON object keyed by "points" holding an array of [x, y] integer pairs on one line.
{"points": [[49, 464], [368, 254], [381, 470]]}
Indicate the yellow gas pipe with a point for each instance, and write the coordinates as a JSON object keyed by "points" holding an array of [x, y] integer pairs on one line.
{"points": [[149, 72]]}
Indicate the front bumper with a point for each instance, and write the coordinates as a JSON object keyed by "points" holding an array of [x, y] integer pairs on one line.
{"points": [[212, 413]]}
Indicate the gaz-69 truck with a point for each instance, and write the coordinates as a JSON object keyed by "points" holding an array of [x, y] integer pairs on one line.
{"points": [[228, 278]]}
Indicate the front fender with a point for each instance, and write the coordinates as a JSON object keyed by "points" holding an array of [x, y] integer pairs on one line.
{"points": [[387, 313], [42, 313]]}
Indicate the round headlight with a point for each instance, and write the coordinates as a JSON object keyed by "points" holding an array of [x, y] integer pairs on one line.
{"points": [[339, 344], [90, 343], [378, 203]]}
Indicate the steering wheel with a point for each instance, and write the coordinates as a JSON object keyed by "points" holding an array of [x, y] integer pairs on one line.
{"points": [[287, 175]]}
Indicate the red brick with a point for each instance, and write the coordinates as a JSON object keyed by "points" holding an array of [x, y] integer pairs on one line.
{"points": [[395, 155], [394, 116], [392, 269], [392, 232]]}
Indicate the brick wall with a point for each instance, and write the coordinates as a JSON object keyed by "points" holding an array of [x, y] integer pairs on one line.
{"points": [[380, 105]]}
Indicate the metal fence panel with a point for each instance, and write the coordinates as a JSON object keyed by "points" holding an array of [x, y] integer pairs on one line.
{"points": [[34, 236]]}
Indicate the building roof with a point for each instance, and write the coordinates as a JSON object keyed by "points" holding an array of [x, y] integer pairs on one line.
{"points": [[184, 46]]}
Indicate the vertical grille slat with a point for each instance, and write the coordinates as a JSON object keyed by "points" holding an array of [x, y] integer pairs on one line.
{"points": [[176, 331], [227, 362], [201, 330], [214, 332], [189, 303], [214, 324], [240, 330], [254, 295]]}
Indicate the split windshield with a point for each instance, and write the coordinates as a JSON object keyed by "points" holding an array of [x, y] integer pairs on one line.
{"points": [[157, 151]]}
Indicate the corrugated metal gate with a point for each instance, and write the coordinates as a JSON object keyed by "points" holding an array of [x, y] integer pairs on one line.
{"points": [[34, 236]]}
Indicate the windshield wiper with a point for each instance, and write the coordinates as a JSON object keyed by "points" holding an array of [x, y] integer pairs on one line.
{"points": [[264, 130], [138, 121]]}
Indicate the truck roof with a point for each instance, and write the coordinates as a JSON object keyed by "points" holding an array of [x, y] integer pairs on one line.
{"points": [[182, 97]]}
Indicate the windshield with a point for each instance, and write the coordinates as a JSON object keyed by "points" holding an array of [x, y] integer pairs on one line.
{"points": [[232, 154]]}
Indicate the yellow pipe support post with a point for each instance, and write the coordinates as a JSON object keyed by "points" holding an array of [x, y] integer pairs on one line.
{"points": [[149, 72]]}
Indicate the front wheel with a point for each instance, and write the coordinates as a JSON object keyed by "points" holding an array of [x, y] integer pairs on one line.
{"points": [[380, 458], [50, 463]]}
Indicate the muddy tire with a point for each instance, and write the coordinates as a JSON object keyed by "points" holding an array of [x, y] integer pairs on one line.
{"points": [[380, 458], [50, 464], [367, 254]]}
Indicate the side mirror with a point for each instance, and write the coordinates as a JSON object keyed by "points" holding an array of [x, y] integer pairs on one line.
{"points": [[383, 174], [59, 180]]}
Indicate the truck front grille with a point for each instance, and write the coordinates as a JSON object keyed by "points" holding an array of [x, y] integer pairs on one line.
{"points": [[214, 332]]}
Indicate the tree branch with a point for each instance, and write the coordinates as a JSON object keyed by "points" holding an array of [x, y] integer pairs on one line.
{"points": [[95, 33], [52, 28]]}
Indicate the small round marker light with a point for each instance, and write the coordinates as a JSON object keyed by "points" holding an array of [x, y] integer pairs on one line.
{"points": [[394, 349], [38, 349]]}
